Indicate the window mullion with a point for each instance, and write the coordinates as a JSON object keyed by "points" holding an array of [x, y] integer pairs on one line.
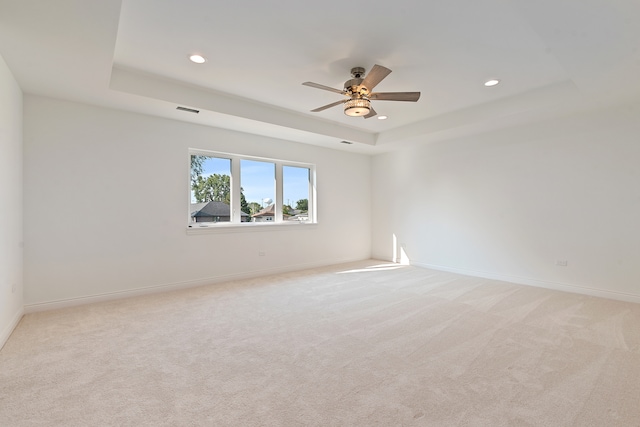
{"points": [[278, 201], [311, 205], [236, 213]]}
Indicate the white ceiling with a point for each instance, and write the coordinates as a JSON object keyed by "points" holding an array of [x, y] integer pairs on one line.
{"points": [[553, 57]]}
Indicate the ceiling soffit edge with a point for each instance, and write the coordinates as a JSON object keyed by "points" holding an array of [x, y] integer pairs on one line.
{"points": [[186, 95]]}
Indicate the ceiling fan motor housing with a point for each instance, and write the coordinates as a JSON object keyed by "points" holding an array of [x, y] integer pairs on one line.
{"points": [[353, 86]]}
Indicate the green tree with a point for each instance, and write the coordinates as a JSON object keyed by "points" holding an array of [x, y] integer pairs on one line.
{"points": [[215, 187], [302, 204], [197, 167], [254, 208], [286, 209], [244, 206]]}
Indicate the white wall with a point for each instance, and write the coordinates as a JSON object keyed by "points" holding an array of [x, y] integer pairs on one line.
{"points": [[11, 260], [106, 196], [509, 204]]}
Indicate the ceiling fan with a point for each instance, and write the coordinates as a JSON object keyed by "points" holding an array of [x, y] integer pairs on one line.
{"points": [[359, 92]]}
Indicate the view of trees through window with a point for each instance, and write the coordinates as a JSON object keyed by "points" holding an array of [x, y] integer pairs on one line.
{"points": [[211, 190]]}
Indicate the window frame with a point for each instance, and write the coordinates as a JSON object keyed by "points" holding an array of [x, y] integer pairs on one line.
{"points": [[235, 223]]}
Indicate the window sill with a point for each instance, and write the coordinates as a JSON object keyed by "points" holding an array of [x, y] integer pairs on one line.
{"points": [[250, 227]]}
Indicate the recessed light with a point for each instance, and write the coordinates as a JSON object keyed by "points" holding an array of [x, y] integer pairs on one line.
{"points": [[383, 117], [198, 59], [491, 82]]}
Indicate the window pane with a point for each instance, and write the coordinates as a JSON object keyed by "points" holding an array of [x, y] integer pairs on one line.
{"points": [[257, 180], [210, 189], [295, 193]]}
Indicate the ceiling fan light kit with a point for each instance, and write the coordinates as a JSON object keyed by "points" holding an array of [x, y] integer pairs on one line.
{"points": [[359, 92], [357, 107]]}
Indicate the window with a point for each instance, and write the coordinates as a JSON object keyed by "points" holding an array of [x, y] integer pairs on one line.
{"points": [[210, 189], [295, 193], [233, 189], [258, 183]]}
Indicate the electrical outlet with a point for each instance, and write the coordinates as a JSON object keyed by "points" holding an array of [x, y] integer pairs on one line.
{"points": [[561, 263]]}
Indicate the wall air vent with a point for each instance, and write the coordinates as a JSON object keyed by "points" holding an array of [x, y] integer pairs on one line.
{"points": [[190, 110]]}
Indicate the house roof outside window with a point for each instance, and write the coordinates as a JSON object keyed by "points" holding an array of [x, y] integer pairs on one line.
{"points": [[268, 211], [212, 209]]}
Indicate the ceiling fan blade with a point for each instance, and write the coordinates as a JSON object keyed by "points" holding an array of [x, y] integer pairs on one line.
{"points": [[372, 113], [395, 96], [333, 104], [319, 86], [375, 76]]}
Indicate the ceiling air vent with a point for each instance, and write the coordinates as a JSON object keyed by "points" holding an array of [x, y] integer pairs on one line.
{"points": [[190, 110]]}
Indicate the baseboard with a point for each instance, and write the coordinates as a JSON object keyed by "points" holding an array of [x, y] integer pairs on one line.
{"points": [[557, 286], [90, 299], [8, 330]]}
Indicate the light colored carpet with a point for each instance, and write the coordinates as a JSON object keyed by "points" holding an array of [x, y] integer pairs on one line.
{"points": [[362, 344]]}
